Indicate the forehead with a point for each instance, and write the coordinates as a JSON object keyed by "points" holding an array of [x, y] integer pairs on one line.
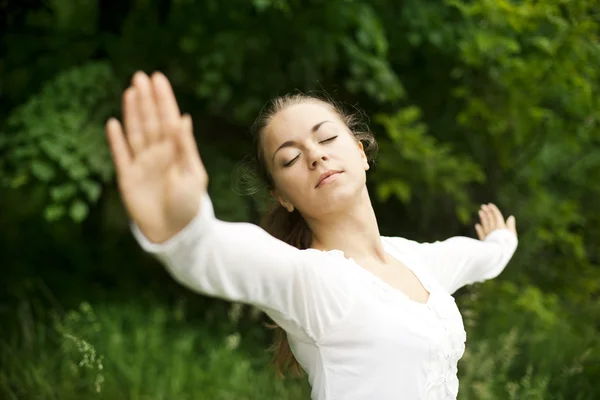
{"points": [[295, 122]]}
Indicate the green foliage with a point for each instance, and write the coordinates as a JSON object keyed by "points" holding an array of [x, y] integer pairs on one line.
{"points": [[526, 344], [414, 160], [132, 351], [311, 45], [496, 359], [56, 140], [536, 69]]}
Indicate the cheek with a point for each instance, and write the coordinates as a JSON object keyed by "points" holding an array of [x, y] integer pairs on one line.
{"points": [[290, 181], [351, 154]]}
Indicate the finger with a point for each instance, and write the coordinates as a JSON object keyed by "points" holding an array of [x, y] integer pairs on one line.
{"points": [[148, 108], [187, 145], [118, 147], [479, 230], [168, 110], [133, 123], [497, 215], [484, 220], [491, 222], [512, 224]]}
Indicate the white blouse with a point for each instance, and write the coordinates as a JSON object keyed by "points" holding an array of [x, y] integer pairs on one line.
{"points": [[356, 336]]}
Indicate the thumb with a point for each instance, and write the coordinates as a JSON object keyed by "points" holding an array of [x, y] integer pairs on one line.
{"points": [[511, 224]]}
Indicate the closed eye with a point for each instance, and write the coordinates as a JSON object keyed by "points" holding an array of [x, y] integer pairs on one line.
{"points": [[328, 140], [289, 163]]}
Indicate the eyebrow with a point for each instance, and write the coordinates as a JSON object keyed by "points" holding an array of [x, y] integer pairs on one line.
{"points": [[291, 143]]}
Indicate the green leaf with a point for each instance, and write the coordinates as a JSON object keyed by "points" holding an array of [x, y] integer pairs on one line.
{"points": [[78, 171], [544, 44], [20, 179], [42, 170], [79, 210], [92, 189], [54, 212], [463, 213], [399, 188], [63, 192]]}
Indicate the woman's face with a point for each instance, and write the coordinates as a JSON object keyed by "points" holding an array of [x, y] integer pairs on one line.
{"points": [[305, 141]]}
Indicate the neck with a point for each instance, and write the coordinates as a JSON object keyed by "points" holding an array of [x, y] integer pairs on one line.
{"points": [[353, 230]]}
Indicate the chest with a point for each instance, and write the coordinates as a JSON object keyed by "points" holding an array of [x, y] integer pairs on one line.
{"points": [[395, 274], [399, 308]]}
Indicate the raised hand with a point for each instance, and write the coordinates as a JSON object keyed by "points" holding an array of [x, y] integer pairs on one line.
{"points": [[491, 219], [159, 171]]}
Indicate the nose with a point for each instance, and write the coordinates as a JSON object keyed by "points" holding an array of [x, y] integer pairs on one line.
{"points": [[317, 155]]}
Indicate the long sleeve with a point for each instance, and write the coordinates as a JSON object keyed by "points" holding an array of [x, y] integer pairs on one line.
{"points": [[241, 262], [460, 261]]}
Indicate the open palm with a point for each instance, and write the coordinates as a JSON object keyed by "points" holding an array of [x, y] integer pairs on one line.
{"points": [[159, 171], [491, 219]]}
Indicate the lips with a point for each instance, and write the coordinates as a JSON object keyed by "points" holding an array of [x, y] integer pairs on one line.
{"points": [[325, 175]]}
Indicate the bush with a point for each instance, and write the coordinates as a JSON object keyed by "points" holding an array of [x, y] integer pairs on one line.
{"points": [[133, 351]]}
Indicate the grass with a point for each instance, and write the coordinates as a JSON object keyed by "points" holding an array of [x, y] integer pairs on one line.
{"points": [[143, 350], [133, 352]]}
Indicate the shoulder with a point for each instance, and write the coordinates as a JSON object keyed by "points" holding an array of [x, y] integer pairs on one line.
{"points": [[332, 263], [454, 242], [424, 253], [406, 249], [400, 243]]}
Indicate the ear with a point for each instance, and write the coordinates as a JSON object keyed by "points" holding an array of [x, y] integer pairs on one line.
{"points": [[284, 203], [363, 156]]}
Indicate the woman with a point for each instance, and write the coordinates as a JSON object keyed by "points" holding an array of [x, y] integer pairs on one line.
{"points": [[366, 316]]}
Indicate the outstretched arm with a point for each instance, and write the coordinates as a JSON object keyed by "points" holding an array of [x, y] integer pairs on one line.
{"points": [[163, 185], [459, 261]]}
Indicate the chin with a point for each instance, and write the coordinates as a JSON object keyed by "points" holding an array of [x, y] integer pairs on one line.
{"points": [[338, 198]]}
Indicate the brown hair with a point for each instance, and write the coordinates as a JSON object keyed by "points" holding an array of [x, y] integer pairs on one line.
{"points": [[290, 227]]}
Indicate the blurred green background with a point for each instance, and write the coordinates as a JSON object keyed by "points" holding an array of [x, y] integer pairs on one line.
{"points": [[471, 101]]}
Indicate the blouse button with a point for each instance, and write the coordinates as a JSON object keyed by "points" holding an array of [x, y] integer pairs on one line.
{"points": [[447, 355], [444, 379]]}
